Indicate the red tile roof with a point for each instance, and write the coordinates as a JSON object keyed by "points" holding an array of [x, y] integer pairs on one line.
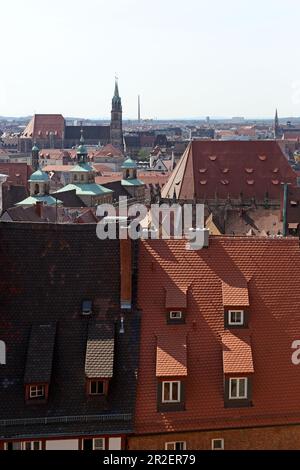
{"points": [[225, 169], [171, 357], [270, 267], [176, 297], [237, 353], [42, 124], [235, 293], [108, 151], [18, 173]]}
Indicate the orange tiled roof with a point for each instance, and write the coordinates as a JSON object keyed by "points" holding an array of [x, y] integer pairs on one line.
{"points": [[176, 297], [41, 125], [171, 355], [211, 169], [235, 293], [237, 353], [271, 269]]}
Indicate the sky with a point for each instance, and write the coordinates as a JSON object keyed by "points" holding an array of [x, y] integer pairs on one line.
{"points": [[186, 58]]}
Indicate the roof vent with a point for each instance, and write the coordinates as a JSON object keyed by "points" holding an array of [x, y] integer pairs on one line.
{"points": [[262, 157], [251, 182], [202, 170], [275, 170], [212, 157], [249, 170], [86, 308], [225, 182], [275, 182], [225, 170], [203, 182]]}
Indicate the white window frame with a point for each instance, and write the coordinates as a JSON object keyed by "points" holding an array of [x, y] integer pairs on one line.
{"points": [[216, 440], [31, 445], [238, 379], [171, 382], [35, 393], [99, 439], [90, 385], [235, 323], [177, 315], [172, 445]]}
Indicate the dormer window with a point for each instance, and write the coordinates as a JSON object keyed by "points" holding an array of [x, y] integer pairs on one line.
{"points": [[175, 315], [235, 317], [96, 387], [238, 388], [87, 307], [37, 391]]}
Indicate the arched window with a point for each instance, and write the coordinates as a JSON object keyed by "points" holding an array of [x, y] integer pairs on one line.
{"points": [[75, 177], [2, 353], [36, 188], [127, 174]]}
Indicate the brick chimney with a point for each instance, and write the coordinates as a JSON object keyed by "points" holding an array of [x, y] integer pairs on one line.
{"points": [[126, 273], [39, 208]]}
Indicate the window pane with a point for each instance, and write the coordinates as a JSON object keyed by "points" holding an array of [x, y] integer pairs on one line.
{"points": [[93, 387], [170, 446], [99, 444], [27, 446], [175, 391], [16, 446], [100, 387], [36, 445], [166, 391], [179, 446], [233, 388], [242, 388]]}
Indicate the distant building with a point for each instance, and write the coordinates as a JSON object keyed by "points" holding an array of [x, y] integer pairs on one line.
{"points": [[50, 131]]}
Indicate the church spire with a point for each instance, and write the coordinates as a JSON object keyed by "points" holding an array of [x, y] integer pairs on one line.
{"points": [[82, 152], [276, 125], [116, 94]]}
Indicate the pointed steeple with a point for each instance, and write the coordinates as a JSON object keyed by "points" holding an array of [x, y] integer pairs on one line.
{"points": [[82, 150], [276, 125], [35, 151], [116, 94]]}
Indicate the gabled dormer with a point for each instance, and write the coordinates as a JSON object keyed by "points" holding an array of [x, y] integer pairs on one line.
{"points": [[176, 304], [39, 360], [99, 358], [236, 304]]}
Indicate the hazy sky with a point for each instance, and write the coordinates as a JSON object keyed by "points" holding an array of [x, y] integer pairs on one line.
{"points": [[186, 58]]}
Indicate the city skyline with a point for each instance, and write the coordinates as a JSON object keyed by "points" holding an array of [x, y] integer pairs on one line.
{"points": [[185, 61]]}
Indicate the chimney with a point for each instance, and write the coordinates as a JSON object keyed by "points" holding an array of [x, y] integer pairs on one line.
{"points": [[126, 273], [39, 208], [3, 178]]}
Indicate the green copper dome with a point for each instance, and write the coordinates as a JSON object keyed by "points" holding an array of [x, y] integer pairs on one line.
{"points": [[35, 148], [81, 149], [38, 176], [128, 164]]}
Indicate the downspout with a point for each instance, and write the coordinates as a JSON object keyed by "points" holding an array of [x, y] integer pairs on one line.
{"points": [[285, 201]]}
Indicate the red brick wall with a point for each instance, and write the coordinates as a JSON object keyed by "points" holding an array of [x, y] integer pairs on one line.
{"points": [[279, 437]]}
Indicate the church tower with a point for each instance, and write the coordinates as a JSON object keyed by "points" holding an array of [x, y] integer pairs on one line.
{"points": [[116, 132]]}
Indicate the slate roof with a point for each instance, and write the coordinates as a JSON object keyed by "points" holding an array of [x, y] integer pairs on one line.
{"points": [[40, 354], [89, 132], [270, 268], [49, 270], [211, 168], [99, 358]]}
